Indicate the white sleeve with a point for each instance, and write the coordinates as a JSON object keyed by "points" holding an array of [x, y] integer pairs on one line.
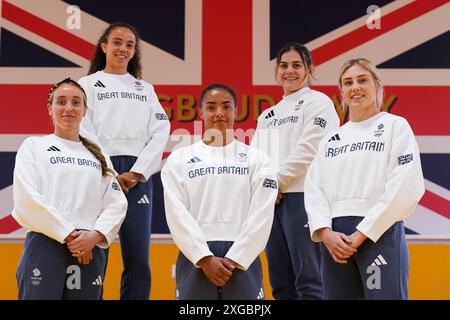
{"points": [[185, 231], [255, 139], [87, 128], [404, 184], [114, 209], [149, 159], [319, 118], [31, 209], [316, 204], [256, 228]]}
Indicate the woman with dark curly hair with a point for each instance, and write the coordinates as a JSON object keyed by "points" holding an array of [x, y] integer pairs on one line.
{"points": [[126, 118]]}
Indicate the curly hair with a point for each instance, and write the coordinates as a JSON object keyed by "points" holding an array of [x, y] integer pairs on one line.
{"points": [[98, 61]]}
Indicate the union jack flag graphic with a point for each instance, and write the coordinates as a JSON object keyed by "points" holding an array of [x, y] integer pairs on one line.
{"points": [[189, 44]]}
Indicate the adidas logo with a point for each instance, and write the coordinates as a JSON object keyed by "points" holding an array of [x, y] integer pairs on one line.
{"points": [[270, 114], [99, 84], [194, 160], [334, 138], [53, 148], [306, 225], [260, 294], [379, 261], [98, 281], [144, 200]]}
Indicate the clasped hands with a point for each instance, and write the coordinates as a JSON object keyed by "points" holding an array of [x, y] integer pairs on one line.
{"points": [[339, 245], [218, 270], [80, 244]]}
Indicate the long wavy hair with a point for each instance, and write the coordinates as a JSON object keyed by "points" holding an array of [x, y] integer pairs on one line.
{"points": [[98, 61]]}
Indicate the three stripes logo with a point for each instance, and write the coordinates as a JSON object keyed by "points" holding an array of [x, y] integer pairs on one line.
{"points": [[144, 200], [379, 261], [98, 281], [270, 114], [194, 160], [260, 294], [99, 84], [335, 138], [53, 148]]}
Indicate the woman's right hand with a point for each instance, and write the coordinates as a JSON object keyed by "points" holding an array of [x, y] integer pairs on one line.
{"points": [[337, 244], [279, 197]]}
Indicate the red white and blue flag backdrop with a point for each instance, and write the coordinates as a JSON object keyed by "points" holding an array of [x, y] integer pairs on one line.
{"points": [[190, 44]]}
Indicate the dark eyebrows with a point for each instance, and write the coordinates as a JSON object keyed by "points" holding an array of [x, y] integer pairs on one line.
{"points": [[296, 61], [64, 97], [222, 102], [119, 38]]}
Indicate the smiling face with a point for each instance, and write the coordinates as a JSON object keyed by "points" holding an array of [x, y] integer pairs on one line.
{"points": [[67, 107], [359, 92], [119, 49], [291, 72]]}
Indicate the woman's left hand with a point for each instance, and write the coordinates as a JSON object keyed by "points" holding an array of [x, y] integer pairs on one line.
{"points": [[129, 180], [356, 239]]}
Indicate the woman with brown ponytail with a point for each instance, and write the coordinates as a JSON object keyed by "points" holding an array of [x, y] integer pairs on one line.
{"points": [[69, 201]]}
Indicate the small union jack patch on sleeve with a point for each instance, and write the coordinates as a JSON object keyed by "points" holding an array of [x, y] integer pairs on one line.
{"points": [[270, 183], [405, 159], [320, 122], [161, 116], [115, 186]]}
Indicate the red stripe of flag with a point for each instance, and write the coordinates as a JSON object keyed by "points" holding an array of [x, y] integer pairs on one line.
{"points": [[165, 155], [436, 203], [361, 35], [8, 225], [47, 30]]}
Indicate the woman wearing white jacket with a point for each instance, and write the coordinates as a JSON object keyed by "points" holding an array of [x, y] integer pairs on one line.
{"points": [[365, 180], [289, 133], [219, 195], [69, 201]]}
